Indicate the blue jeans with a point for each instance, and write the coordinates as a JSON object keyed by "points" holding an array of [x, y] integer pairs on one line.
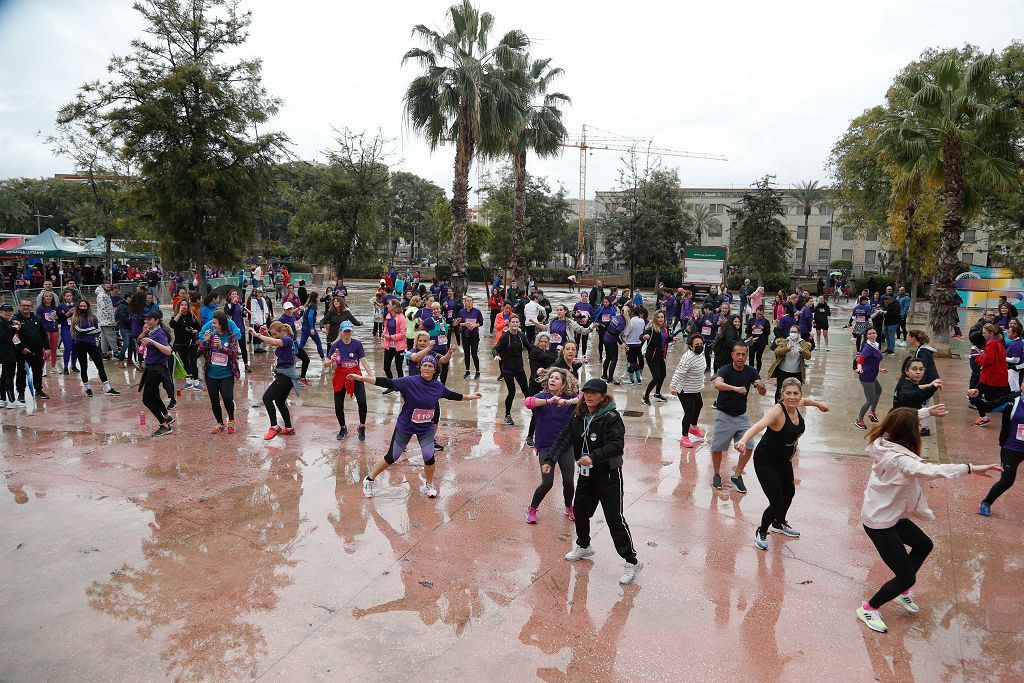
{"points": [[125, 335], [890, 338]]}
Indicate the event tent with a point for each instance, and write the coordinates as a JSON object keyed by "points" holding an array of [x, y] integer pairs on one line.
{"points": [[48, 244]]}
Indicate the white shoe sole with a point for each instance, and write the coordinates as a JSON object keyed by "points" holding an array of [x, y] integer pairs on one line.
{"points": [[625, 580], [912, 610], [773, 530], [580, 557]]}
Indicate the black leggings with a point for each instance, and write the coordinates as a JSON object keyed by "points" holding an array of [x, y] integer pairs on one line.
{"points": [[8, 369], [393, 355], [989, 393], [470, 348], [756, 351], [658, 371], [151, 395], [776, 480], [692, 405], [339, 404], [611, 359], [510, 383], [277, 394], [858, 340], [494, 316], [891, 545], [1010, 460], [91, 352], [707, 355], [634, 358], [378, 330], [222, 390], [581, 344], [567, 464], [303, 358]]}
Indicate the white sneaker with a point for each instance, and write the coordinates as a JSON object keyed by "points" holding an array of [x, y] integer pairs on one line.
{"points": [[367, 488], [430, 491], [630, 571], [906, 601], [578, 553], [3, 404], [17, 404], [188, 384]]}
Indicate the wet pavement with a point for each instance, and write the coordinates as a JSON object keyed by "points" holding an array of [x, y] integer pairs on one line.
{"points": [[200, 557]]}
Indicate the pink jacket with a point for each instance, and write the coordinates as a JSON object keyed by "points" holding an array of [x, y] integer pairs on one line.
{"points": [[395, 341]]}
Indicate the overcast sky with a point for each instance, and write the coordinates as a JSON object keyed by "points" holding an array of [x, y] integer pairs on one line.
{"points": [[771, 85]]}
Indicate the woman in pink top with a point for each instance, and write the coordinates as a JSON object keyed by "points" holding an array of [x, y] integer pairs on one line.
{"points": [[756, 300], [394, 338]]}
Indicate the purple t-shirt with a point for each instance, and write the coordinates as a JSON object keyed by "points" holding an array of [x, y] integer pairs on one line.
{"points": [[419, 401], [558, 332], [49, 316], [471, 322], [583, 306], [289, 320], [65, 310], [347, 355], [284, 355], [551, 420], [870, 359], [155, 356]]}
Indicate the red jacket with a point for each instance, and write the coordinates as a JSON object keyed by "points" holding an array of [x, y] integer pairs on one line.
{"points": [[992, 362]]}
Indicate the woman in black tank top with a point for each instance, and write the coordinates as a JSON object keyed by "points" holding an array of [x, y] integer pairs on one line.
{"points": [[783, 426]]}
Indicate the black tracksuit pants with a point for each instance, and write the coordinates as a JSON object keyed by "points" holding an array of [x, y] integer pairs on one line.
{"points": [[891, 545], [604, 487]]}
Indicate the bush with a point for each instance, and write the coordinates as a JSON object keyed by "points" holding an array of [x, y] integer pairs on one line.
{"points": [[845, 265], [772, 282], [644, 277]]}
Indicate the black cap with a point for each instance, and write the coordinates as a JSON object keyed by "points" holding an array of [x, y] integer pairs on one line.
{"points": [[595, 384], [6, 307], [156, 313]]}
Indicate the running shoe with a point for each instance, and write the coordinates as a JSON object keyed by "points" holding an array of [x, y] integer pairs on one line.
{"points": [[873, 416], [981, 422], [287, 431], [661, 398], [477, 375], [578, 553], [42, 396], [860, 424], [685, 442], [304, 382], [217, 429], [466, 376], [570, 513], [529, 441], [171, 419], [196, 386], [112, 392], [646, 401], [760, 539], [271, 433], [716, 482], [438, 446], [20, 403], [429, 490], [173, 404], [737, 483], [88, 391], [906, 601], [367, 488], [629, 572], [785, 529], [925, 431], [985, 510], [362, 433], [509, 421], [872, 619], [342, 433], [695, 431], [616, 382], [231, 426], [3, 404], [188, 384], [531, 515], [66, 372], [162, 431]]}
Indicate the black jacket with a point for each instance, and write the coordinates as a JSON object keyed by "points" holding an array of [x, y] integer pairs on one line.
{"points": [[604, 439], [655, 345], [7, 354], [540, 359], [909, 395], [122, 319], [892, 314], [185, 329], [510, 349], [32, 335]]}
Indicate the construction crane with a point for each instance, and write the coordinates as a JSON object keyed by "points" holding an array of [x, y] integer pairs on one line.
{"points": [[613, 142]]}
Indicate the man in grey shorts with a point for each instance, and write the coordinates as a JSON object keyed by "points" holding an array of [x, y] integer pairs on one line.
{"points": [[731, 420]]}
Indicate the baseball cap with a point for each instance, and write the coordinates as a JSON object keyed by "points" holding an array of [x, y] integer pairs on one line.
{"points": [[595, 384], [6, 307], [288, 305], [156, 313], [346, 325]]}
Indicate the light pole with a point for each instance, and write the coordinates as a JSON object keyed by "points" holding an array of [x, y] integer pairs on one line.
{"points": [[39, 228]]}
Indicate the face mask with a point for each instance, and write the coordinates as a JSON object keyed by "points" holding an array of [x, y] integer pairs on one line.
{"points": [[873, 344], [794, 336], [698, 349]]}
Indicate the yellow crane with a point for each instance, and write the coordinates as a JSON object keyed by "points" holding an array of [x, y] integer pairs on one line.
{"points": [[606, 140]]}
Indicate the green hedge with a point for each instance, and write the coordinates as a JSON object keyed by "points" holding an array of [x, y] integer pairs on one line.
{"points": [[772, 282]]}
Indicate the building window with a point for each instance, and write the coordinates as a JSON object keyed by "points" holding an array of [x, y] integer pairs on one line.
{"points": [[823, 255], [717, 209], [871, 236], [848, 234], [801, 233], [970, 236], [848, 255], [825, 233], [824, 209], [869, 257], [799, 255], [715, 230]]}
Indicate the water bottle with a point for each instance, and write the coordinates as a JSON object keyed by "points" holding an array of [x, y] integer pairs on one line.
{"points": [[142, 418]]}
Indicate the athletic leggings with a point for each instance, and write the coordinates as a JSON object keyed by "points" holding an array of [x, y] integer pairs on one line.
{"points": [[634, 358], [54, 339], [494, 316], [891, 545], [65, 339], [776, 480], [989, 393], [470, 348], [692, 405], [378, 329], [396, 356], [399, 442], [306, 334], [339, 404], [858, 340], [8, 370], [151, 394], [872, 392], [303, 359], [222, 390], [658, 372], [567, 464], [611, 359], [84, 352], [277, 394], [510, 382], [756, 351], [1010, 460], [581, 343], [707, 355]]}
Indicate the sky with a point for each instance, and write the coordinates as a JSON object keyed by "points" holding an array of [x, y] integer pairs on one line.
{"points": [[769, 85]]}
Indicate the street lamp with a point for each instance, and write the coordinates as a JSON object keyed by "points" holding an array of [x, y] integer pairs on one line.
{"points": [[38, 216]]}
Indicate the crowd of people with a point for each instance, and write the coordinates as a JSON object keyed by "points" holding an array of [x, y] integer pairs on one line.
{"points": [[541, 351]]}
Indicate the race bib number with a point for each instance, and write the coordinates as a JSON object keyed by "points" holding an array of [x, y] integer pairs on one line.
{"points": [[50, 316], [470, 323], [605, 317], [218, 358], [442, 340], [422, 415], [16, 340], [349, 364], [706, 330], [757, 329], [556, 338], [861, 318], [1020, 432]]}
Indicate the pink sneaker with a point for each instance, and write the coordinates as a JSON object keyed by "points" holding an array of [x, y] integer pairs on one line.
{"points": [[695, 431], [570, 513], [531, 515], [685, 442]]}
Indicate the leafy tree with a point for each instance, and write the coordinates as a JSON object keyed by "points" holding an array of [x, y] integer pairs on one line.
{"points": [[468, 94], [806, 194], [191, 122], [45, 196], [12, 209], [760, 241], [845, 265], [701, 221], [646, 221], [544, 221], [339, 219], [412, 204]]}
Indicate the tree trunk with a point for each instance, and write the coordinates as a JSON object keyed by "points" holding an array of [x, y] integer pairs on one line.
{"points": [[904, 268], [803, 258], [941, 316], [199, 254], [519, 216], [460, 203]]}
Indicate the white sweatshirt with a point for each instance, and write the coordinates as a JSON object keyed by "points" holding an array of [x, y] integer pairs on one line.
{"points": [[689, 375], [895, 488]]}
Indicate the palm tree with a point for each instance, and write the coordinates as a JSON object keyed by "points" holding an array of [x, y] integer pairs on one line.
{"points": [[12, 210], [701, 220], [945, 121], [467, 94], [541, 131], [806, 194]]}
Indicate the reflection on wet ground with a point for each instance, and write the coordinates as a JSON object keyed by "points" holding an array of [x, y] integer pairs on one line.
{"points": [[221, 558]]}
